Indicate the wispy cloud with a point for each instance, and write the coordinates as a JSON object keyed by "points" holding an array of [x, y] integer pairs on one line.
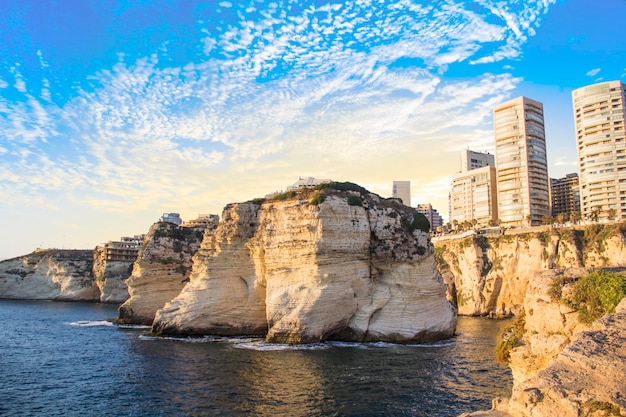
{"points": [[593, 72], [277, 93]]}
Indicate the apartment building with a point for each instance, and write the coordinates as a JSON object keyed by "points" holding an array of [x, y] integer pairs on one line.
{"points": [[473, 196], [431, 214], [565, 194], [472, 160], [599, 113], [521, 161]]}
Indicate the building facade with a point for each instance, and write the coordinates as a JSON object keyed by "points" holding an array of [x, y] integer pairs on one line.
{"points": [[473, 197], [402, 190], [473, 160], [565, 194], [171, 218], [521, 161], [124, 250], [431, 214], [599, 113]]}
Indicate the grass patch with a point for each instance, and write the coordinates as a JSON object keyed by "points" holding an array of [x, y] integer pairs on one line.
{"points": [[317, 199], [354, 200]]}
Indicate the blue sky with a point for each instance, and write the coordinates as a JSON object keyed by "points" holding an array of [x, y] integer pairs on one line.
{"points": [[113, 112]]}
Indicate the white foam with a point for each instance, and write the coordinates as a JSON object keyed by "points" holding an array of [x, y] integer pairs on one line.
{"points": [[91, 323], [134, 326]]}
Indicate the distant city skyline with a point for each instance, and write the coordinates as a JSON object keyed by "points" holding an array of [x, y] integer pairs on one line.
{"points": [[114, 113]]}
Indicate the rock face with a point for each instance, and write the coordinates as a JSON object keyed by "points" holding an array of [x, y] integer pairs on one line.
{"points": [[318, 265], [61, 275], [110, 277], [490, 275], [160, 272], [564, 367]]}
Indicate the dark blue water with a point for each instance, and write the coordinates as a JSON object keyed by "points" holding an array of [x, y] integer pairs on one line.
{"points": [[60, 359]]}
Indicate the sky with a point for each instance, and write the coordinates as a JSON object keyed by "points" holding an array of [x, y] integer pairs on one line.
{"points": [[114, 112]]}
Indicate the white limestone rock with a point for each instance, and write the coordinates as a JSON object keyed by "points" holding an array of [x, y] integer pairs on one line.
{"points": [[299, 272], [54, 274]]}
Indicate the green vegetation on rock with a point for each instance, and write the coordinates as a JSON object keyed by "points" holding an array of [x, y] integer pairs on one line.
{"points": [[511, 338], [593, 295]]}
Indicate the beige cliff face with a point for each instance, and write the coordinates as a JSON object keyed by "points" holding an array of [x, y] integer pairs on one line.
{"points": [[110, 277], [300, 273], [62, 275], [160, 272], [490, 275], [564, 367]]}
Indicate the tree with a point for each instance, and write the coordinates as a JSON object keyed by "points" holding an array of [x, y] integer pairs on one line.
{"points": [[529, 220], [594, 215], [560, 218], [574, 217], [611, 213]]}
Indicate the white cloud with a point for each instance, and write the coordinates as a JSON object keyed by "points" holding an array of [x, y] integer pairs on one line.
{"points": [[593, 72]]}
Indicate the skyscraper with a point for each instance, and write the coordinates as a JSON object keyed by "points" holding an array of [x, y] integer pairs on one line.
{"points": [[521, 162], [402, 190], [599, 113]]}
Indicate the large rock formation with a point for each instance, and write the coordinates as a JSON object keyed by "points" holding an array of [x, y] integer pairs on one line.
{"points": [[110, 277], [54, 274], [312, 265], [490, 274], [161, 270], [563, 366]]}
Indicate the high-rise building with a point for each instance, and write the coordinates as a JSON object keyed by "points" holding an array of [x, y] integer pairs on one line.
{"points": [[599, 113], [521, 162], [472, 160], [473, 196], [565, 194], [402, 190]]}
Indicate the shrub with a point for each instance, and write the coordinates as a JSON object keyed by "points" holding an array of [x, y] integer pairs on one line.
{"points": [[341, 186], [285, 196], [510, 338], [354, 200], [593, 295], [419, 222], [317, 199]]}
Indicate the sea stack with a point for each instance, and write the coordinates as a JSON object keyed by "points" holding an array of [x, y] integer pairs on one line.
{"points": [[334, 262]]}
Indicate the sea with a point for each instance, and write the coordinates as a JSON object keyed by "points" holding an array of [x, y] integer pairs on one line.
{"points": [[68, 359]]}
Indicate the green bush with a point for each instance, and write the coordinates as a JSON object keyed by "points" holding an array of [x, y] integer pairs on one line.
{"points": [[510, 338], [419, 222], [593, 295], [341, 186], [317, 199], [285, 196], [354, 200]]}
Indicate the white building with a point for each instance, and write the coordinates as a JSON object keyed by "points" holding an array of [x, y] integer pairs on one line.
{"points": [[521, 161], [473, 197], [307, 182], [599, 113], [171, 218]]}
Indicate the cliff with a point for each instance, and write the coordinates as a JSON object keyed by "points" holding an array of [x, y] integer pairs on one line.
{"points": [[563, 366], [110, 277], [311, 265], [61, 275], [161, 270], [490, 274]]}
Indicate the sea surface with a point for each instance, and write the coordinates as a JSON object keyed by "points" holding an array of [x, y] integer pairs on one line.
{"points": [[65, 359]]}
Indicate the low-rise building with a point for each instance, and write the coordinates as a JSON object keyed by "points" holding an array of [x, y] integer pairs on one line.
{"points": [[171, 218], [202, 221], [124, 250]]}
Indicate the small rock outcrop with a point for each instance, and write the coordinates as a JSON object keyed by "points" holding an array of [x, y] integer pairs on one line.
{"points": [[110, 277], [161, 270], [489, 275], [311, 265], [565, 367], [53, 274]]}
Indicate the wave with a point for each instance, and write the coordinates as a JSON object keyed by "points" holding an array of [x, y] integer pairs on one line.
{"points": [[91, 323], [134, 326]]}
